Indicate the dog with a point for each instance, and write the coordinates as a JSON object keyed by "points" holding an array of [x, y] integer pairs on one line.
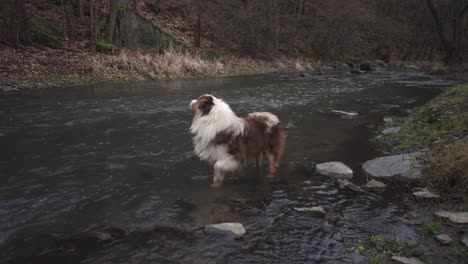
{"points": [[229, 142]]}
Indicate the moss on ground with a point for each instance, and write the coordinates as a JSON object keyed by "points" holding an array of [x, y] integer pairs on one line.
{"points": [[442, 126]]}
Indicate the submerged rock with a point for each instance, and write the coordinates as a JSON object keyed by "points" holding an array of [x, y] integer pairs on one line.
{"points": [[455, 217], [444, 239], [465, 242], [404, 167], [334, 169], [391, 130], [344, 114], [425, 193], [357, 71], [345, 184], [375, 184], [313, 209], [235, 230], [366, 66], [406, 260]]}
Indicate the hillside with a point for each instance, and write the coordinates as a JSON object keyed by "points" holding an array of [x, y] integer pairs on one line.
{"points": [[70, 41]]}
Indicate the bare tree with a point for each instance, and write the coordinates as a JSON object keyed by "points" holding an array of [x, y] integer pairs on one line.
{"points": [[452, 46], [112, 21]]}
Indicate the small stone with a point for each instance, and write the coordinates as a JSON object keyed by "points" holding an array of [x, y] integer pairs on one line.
{"points": [[391, 130], [357, 71], [425, 193], [235, 230], [455, 217], [375, 184], [406, 260], [465, 242], [388, 121], [334, 169], [444, 239], [344, 114], [314, 209], [343, 183]]}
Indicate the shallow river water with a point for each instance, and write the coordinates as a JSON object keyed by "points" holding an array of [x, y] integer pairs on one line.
{"points": [[119, 157]]}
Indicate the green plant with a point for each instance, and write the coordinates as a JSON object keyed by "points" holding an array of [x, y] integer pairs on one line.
{"points": [[432, 226], [360, 247], [377, 238], [104, 47], [375, 259]]}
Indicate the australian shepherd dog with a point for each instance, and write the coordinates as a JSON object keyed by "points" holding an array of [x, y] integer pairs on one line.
{"points": [[228, 142]]}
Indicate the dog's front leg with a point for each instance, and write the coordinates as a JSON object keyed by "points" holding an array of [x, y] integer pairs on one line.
{"points": [[258, 160], [218, 177]]}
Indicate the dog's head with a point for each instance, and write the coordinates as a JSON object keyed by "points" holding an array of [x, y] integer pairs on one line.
{"points": [[204, 104]]}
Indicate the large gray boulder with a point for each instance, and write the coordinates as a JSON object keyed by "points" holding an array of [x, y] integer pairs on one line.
{"points": [[139, 33], [335, 169], [405, 167]]}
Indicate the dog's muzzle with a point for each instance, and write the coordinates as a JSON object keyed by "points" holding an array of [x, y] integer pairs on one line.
{"points": [[193, 105]]}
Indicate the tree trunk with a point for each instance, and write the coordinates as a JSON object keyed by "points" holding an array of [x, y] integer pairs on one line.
{"points": [[91, 20], [96, 19], [64, 19], [197, 37], [80, 8], [452, 47], [277, 26], [111, 22]]}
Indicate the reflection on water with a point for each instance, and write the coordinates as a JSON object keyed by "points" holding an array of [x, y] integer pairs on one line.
{"points": [[119, 157]]}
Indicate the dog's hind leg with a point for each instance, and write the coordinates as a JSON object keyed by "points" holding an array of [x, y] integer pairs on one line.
{"points": [[259, 160]]}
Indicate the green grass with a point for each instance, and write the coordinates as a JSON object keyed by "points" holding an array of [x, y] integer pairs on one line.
{"points": [[442, 126], [432, 226], [442, 118], [375, 259], [378, 248]]}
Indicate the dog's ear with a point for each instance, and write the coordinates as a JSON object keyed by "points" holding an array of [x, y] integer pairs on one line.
{"points": [[205, 104]]}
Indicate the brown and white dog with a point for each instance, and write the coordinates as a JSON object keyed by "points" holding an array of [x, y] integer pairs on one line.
{"points": [[228, 142]]}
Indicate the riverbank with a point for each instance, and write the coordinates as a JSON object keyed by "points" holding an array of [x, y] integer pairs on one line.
{"points": [[41, 67], [44, 67], [438, 130], [440, 127]]}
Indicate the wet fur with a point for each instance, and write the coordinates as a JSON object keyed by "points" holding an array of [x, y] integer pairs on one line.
{"points": [[229, 142]]}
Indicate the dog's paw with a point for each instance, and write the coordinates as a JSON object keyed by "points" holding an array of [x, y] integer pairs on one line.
{"points": [[216, 184]]}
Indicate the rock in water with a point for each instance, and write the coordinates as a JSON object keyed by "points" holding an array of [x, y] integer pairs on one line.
{"points": [[313, 209], [404, 167], [366, 66], [465, 242], [391, 130], [425, 193], [343, 183], [375, 184], [334, 169], [455, 217], [235, 230], [344, 114], [405, 260], [357, 71], [444, 239]]}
